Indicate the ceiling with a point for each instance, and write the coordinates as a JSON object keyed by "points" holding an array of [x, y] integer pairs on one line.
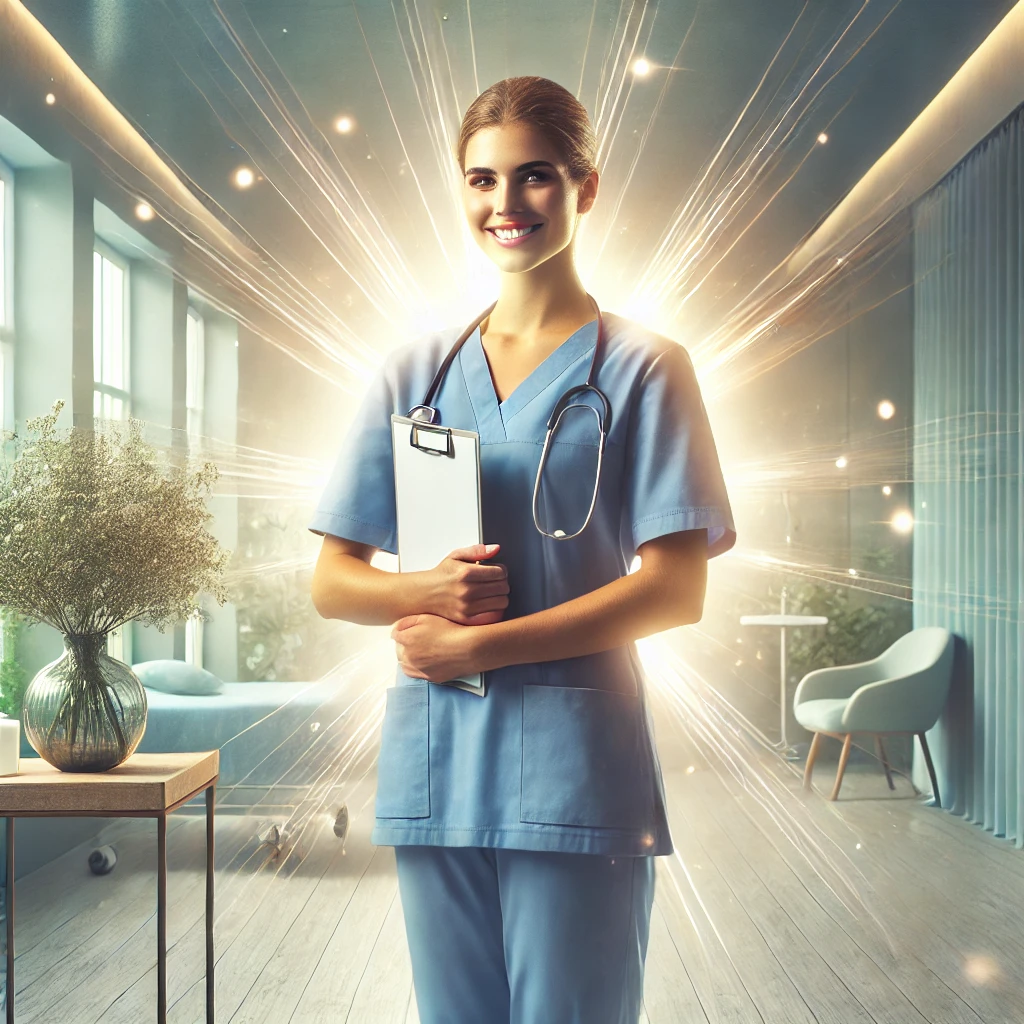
{"points": [[366, 223]]}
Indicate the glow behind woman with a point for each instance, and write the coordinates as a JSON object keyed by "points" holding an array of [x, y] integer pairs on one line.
{"points": [[525, 823]]}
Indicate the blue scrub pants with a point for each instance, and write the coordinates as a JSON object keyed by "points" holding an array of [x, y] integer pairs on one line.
{"points": [[525, 937]]}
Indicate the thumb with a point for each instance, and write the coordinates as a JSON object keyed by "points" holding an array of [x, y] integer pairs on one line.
{"points": [[475, 552]]}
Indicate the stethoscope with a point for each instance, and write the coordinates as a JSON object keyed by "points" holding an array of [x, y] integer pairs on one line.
{"points": [[428, 414]]}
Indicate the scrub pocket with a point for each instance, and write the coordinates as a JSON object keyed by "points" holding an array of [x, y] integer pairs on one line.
{"points": [[403, 769], [581, 758]]}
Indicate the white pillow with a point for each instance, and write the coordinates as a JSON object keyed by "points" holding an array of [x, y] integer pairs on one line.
{"points": [[170, 676]]}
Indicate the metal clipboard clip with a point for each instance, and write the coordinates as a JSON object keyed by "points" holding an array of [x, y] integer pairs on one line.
{"points": [[436, 440]]}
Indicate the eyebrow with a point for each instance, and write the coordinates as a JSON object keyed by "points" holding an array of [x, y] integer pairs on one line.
{"points": [[522, 167]]}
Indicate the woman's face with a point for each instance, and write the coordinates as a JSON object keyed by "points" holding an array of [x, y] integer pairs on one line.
{"points": [[520, 203]]}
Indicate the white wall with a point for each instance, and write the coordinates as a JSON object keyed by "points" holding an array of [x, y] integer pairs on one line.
{"points": [[43, 291]]}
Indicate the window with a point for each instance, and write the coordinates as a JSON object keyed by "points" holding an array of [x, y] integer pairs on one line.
{"points": [[4, 179], [194, 376], [6, 275], [195, 382], [194, 641], [111, 396], [6, 294], [119, 643]]}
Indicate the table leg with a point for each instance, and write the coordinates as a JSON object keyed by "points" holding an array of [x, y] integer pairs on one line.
{"points": [[9, 983], [161, 919], [788, 752], [210, 800], [782, 701]]}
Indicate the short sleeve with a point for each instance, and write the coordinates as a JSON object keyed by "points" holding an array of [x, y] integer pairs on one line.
{"points": [[358, 502], [673, 477]]}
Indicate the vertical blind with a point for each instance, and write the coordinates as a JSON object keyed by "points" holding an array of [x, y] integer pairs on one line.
{"points": [[968, 336]]}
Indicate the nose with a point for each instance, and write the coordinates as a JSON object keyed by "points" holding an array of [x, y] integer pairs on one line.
{"points": [[505, 195]]}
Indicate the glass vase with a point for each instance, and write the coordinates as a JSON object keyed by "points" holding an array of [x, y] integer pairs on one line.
{"points": [[86, 711]]}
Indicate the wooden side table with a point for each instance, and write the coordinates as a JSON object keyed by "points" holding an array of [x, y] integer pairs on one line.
{"points": [[144, 786]]}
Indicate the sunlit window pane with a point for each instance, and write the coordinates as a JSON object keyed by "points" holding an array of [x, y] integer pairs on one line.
{"points": [[5, 229], [119, 643], [3, 253], [97, 316], [110, 338], [194, 383], [194, 641]]}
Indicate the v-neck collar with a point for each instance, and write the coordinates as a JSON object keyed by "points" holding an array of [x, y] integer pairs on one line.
{"points": [[492, 415]]}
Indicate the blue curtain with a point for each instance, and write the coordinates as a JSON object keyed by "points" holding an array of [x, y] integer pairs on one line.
{"points": [[968, 331]]}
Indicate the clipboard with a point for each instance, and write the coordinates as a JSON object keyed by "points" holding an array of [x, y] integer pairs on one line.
{"points": [[437, 499]]}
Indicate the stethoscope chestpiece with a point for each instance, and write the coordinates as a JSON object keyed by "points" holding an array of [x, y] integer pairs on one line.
{"points": [[426, 413]]}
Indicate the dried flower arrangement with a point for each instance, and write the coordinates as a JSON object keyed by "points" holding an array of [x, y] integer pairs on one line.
{"points": [[96, 530]]}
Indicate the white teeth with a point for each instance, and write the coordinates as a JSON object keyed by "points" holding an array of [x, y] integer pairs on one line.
{"points": [[508, 234]]}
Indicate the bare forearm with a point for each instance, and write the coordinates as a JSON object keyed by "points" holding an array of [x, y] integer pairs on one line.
{"points": [[626, 609], [355, 591]]}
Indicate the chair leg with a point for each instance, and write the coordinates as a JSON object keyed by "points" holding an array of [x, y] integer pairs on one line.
{"points": [[812, 755], [931, 768], [884, 760], [843, 758]]}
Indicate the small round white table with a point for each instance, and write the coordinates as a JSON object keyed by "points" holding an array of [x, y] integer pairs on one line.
{"points": [[784, 622]]}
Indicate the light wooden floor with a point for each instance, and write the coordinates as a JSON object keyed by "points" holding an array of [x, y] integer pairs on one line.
{"points": [[743, 931]]}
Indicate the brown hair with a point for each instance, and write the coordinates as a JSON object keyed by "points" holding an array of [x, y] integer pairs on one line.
{"points": [[542, 104]]}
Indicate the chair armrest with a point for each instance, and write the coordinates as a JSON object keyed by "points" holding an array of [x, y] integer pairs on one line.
{"points": [[835, 683]]}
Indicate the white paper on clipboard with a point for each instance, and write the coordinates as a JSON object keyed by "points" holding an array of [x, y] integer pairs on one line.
{"points": [[437, 499]]}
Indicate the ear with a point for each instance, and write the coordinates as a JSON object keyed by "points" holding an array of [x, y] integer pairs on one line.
{"points": [[587, 195]]}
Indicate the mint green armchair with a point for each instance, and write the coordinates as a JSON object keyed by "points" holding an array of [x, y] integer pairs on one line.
{"points": [[903, 690]]}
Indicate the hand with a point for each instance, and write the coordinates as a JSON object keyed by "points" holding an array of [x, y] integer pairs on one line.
{"points": [[434, 648], [467, 593]]}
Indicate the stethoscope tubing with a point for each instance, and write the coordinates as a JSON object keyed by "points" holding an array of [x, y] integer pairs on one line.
{"points": [[429, 414]]}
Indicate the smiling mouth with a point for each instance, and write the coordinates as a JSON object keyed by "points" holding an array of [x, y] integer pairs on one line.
{"points": [[511, 234]]}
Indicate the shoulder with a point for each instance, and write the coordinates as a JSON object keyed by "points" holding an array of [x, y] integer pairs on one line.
{"points": [[423, 351], [408, 368], [632, 350]]}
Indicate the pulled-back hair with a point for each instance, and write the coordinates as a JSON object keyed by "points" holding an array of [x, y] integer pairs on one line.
{"points": [[542, 104]]}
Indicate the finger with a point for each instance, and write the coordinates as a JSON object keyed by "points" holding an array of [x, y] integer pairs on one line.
{"points": [[484, 618], [410, 671], [480, 572], [405, 623], [494, 588], [475, 552], [490, 604]]}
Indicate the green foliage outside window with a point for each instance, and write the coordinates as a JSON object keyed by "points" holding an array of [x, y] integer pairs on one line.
{"points": [[13, 677], [280, 634], [860, 625]]}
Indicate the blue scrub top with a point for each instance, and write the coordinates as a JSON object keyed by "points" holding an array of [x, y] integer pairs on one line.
{"points": [[558, 755]]}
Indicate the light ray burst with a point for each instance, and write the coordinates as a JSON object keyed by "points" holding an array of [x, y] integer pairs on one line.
{"points": [[317, 185]]}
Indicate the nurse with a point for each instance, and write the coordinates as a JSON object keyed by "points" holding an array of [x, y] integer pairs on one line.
{"points": [[526, 822]]}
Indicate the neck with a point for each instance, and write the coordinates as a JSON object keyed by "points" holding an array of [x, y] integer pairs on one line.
{"points": [[548, 298]]}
